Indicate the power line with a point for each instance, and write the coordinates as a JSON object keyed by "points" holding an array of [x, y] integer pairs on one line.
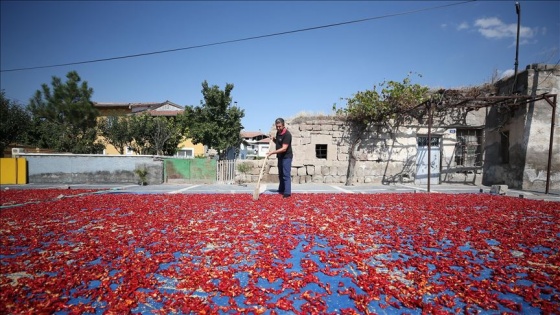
{"points": [[237, 40], [557, 62]]}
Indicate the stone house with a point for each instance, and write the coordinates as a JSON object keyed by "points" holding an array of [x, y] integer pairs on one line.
{"points": [[468, 144], [518, 141]]}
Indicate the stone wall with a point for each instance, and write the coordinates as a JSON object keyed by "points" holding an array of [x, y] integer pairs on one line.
{"points": [[321, 146], [528, 128]]}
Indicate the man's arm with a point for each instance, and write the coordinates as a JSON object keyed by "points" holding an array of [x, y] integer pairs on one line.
{"points": [[283, 149]]}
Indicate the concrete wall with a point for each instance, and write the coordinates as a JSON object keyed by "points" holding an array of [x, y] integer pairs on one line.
{"points": [[529, 133], [91, 168]]}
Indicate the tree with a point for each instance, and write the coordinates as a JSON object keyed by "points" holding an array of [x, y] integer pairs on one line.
{"points": [[175, 126], [140, 132], [215, 123], [15, 122], [64, 116], [371, 107], [162, 129], [153, 135], [116, 131]]}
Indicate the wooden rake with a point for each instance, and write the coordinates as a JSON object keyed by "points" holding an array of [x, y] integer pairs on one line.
{"points": [[260, 189]]}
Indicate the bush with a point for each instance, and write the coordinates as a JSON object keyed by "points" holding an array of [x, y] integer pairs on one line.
{"points": [[244, 168]]}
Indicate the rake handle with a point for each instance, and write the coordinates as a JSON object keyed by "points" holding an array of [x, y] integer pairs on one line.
{"points": [[262, 171]]}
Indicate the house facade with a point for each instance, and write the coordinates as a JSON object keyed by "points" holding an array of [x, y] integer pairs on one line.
{"points": [[186, 149], [255, 144], [518, 141]]}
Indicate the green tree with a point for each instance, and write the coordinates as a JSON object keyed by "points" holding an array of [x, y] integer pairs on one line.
{"points": [[215, 123], [64, 117], [116, 131], [176, 127], [162, 132], [140, 131], [154, 135], [15, 122], [369, 108]]}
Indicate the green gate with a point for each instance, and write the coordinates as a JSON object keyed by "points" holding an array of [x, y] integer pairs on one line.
{"points": [[190, 170]]}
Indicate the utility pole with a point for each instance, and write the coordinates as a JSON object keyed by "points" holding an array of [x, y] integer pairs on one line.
{"points": [[518, 11]]}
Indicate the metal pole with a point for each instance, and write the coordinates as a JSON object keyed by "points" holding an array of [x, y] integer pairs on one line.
{"points": [[518, 11], [552, 126], [429, 144]]}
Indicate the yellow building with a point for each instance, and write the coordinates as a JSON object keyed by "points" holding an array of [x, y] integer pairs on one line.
{"points": [[186, 149]]}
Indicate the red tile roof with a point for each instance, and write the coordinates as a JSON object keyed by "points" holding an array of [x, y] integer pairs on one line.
{"points": [[165, 112], [252, 134], [264, 141], [131, 105], [148, 107]]}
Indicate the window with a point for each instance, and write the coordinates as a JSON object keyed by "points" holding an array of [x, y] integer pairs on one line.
{"points": [[504, 146], [422, 141], [468, 149], [321, 151], [185, 153]]}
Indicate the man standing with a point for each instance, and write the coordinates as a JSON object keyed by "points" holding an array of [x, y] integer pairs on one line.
{"points": [[284, 153]]}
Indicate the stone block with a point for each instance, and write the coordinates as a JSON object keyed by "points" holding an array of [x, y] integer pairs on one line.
{"points": [[325, 170], [302, 171], [320, 138], [310, 169], [295, 133], [337, 134], [342, 156], [273, 170], [499, 189], [342, 170], [328, 179], [318, 163]]}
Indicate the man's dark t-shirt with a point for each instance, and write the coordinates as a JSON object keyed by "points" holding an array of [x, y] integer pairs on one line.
{"points": [[284, 137]]}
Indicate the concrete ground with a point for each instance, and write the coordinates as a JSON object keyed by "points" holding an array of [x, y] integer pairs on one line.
{"points": [[166, 188]]}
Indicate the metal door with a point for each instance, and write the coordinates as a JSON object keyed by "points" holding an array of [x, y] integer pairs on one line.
{"points": [[422, 161]]}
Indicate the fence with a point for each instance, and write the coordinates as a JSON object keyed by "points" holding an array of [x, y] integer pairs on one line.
{"points": [[225, 172], [190, 170], [200, 171]]}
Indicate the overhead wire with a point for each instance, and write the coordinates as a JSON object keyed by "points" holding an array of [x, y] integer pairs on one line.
{"points": [[238, 40], [557, 62]]}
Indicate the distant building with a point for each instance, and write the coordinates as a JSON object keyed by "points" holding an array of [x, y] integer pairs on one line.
{"points": [[186, 149], [255, 144]]}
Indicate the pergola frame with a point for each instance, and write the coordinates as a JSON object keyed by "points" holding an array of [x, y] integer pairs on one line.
{"points": [[475, 103]]}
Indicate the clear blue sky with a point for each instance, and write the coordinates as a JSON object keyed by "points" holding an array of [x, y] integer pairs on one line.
{"points": [[277, 76]]}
